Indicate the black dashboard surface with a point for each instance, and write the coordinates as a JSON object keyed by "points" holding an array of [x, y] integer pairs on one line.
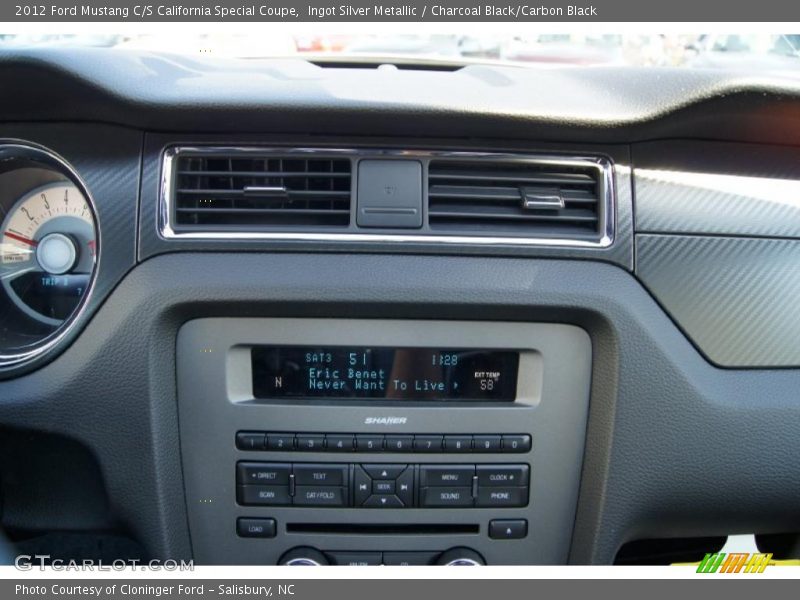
{"points": [[599, 105], [683, 438]]}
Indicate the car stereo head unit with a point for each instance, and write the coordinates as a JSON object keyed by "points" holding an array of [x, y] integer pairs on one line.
{"points": [[381, 441], [361, 372]]}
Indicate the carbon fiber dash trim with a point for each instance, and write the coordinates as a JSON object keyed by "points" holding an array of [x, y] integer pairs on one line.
{"points": [[720, 204], [738, 299]]}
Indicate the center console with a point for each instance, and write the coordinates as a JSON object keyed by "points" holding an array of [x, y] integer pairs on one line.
{"points": [[332, 441]]}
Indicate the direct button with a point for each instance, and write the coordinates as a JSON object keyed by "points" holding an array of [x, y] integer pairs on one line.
{"points": [[446, 475], [320, 474], [255, 473], [502, 475], [441, 497], [255, 528], [508, 529]]}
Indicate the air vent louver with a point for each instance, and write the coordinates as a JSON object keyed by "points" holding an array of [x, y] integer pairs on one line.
{"points": [[515, 198], [219, 192]]}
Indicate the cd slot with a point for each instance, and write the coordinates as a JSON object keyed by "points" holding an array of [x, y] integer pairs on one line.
{"points": [[383, 528]]}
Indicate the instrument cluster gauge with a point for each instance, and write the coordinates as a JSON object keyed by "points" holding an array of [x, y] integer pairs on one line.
{"points": [[48, 251]]}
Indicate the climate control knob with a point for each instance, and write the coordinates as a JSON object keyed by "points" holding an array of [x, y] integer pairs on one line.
{"points": [[461, 557], [303, 556]]}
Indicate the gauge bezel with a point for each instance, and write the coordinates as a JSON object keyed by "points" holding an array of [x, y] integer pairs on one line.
{"points": [[13, 149]]}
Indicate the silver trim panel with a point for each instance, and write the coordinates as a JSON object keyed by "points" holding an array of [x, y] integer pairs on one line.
{"points": [[603, 165]]}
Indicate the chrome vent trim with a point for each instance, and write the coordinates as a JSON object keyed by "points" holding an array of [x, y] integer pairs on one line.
{"points": [[602, 166]]}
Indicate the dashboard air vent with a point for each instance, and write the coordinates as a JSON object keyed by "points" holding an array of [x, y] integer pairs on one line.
{"points": [[247, 191], [516, 198]]}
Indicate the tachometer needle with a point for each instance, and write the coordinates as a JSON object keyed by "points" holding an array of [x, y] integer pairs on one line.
{"points": [[20, 238]]}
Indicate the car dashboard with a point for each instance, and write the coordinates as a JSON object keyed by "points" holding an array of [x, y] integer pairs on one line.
{"points": [[276, 312]]}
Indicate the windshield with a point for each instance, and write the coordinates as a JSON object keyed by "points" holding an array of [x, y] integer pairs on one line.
{"points": [[752, 53]]}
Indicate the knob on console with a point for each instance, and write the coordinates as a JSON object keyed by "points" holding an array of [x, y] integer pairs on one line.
{"points": [[303, 556], [461, 557]]}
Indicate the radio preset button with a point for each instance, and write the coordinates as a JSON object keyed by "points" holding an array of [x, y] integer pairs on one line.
{"points": [[487, 443], [441, 497], [266, 495], [458, 443], [369, 443], [516, 443], [446, 475], [333, 442], [310, 442], [503, 475], [428, 443], [319, 495], [280, 442], [246, 440], [339, 443], [399, 443]]}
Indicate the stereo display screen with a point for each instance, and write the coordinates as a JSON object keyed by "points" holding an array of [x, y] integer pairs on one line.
{"points": [[354, 373]]}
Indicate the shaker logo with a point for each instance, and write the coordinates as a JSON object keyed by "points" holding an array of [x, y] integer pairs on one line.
{"points": [[385, 421]]}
